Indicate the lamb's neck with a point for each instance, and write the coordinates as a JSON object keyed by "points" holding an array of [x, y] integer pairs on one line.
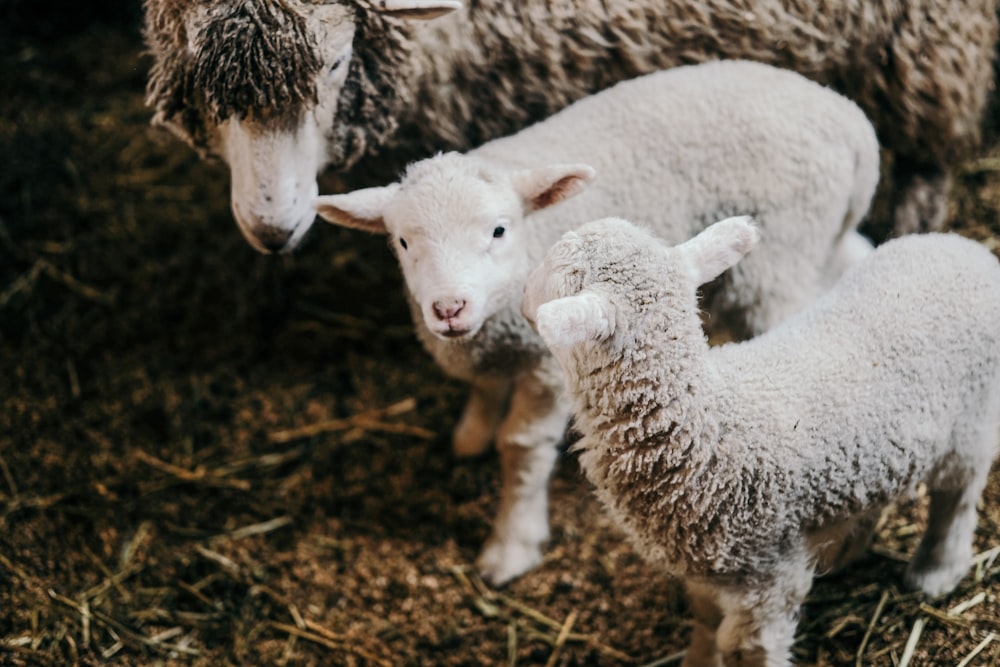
{"points": [[650, 396]]}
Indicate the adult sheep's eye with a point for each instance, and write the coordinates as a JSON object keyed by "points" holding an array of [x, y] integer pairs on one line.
{"points": [[402, 242], [499, 231], [337, 63]]}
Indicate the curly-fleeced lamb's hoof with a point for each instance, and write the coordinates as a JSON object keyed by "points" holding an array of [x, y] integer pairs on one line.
{"points": [[500, 562], [938, 581]]}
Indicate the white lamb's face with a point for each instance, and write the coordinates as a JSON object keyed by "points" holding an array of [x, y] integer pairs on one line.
{"points": [[458, 226], [461, 255]]}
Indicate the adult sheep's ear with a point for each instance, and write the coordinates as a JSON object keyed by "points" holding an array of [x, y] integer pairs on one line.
{"points": [[542, 187], [416, 9], [572, 320], [719, 247], [361, 209]]}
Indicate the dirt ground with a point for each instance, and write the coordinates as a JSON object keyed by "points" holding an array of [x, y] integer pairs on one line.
{"points": [[211, 457]]}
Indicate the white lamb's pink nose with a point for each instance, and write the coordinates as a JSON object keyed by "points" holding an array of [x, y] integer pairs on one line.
{"points": [[448, 308]]}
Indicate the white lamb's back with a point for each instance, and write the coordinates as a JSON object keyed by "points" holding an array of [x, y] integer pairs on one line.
{"points": [[675, 132]]}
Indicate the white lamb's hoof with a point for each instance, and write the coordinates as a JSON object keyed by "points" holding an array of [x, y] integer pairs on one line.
{"points": [[500, 562], [938, 581]]}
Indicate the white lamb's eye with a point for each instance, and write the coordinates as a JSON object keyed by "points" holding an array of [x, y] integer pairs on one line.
{"points": [[499, 231], [402, 242]]}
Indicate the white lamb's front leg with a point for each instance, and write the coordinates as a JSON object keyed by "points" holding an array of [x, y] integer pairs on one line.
{"points": [[528, 441], [481, 417]]}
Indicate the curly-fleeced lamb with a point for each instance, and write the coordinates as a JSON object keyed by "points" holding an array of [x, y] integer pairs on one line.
{"points": [[747, 467]]}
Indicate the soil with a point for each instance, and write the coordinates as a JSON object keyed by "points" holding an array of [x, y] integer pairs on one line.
{"points": [[213, 457]]}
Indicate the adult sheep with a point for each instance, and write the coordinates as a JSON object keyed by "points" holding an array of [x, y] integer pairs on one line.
{"points": [[282, 89]]}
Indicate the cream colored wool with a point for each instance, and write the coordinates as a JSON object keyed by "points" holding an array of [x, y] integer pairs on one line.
{"points": [[747, 467]]}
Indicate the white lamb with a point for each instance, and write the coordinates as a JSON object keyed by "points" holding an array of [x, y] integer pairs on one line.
{"points": [[678, 150], [747, 467]]}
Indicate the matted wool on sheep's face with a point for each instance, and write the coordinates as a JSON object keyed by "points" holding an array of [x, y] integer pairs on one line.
{"points": [[275, 90]]}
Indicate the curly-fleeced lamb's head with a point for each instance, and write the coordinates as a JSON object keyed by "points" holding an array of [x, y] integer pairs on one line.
{"points": [[277, 89], [460, 228], [602, 280]]}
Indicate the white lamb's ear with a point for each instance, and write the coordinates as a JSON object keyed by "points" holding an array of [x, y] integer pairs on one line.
{"points": [[572, 320], [719, 247], [544, 186], [361, 209], [417, 9]]}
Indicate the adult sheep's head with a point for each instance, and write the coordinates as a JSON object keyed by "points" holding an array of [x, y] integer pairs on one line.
{"points": [[462, 232], [278, 89]]}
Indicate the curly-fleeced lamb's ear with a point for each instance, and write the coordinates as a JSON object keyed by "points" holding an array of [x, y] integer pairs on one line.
{"points": [[719, 247], [544, 186], [361, 209], [572, 320], [416, 9]]}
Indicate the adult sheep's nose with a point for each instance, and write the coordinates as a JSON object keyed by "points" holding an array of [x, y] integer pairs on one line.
{"points": [[274, 239], [264, 235], [446, 309]]}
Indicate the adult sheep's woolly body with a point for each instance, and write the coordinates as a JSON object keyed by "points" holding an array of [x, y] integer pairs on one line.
{"points": [[732, 137], [921, 69], [745, 467]]}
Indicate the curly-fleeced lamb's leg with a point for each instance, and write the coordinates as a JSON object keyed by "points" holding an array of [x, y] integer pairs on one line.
{"points": [[758, 623], [703, 650], [527, 441], [481, 417], [944, 554]]}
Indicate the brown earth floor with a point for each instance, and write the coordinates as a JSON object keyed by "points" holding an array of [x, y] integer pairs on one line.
{"points": [[153, 507]]}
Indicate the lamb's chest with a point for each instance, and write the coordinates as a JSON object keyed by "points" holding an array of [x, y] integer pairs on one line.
{"points": [[505, 346]]}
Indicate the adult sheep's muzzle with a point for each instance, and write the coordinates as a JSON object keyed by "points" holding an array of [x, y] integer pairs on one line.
{"points": [[274, 185], [272, 231]]}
